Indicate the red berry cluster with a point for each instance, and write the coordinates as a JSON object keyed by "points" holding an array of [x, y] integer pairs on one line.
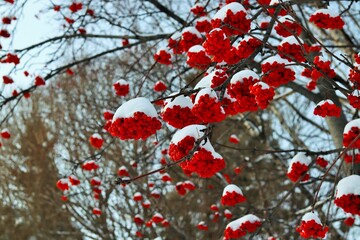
{"points": [[312, 229], [96, 141], [232, 198], [197, 57], [89, 166], [291, 50], [208, 109], [240, 227], [190, 37], [216, 44], [350, 135], [140, 126], [327, 109], [297, 170], [276, 73], [203, 25], [233, 23], [287, 26], [163, 57], [321, 162], [203, 163], [263, 94], [121, 88], [323, 19], [178, 116], [350, 203], [247, 46]]}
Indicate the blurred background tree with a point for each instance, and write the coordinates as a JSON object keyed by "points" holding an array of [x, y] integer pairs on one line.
{"points": [[112, 40]]}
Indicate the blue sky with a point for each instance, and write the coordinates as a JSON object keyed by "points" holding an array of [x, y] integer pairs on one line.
{"points": [[31, 27]]}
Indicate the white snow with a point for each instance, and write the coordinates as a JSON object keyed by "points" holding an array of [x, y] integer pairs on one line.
{"points": [[5, 130], [166, 175], [205, 91], [138, 216], [214, 206], [277, 59], [232, 188], [356, 93], [286, 18], [189, 182], [227, 211], [65, 181], [227, 96], [137, 194], [311, 216], [331, 12], [324, 101], [125, 179], [352, 123], [179, 184], [234, 7], [322, 57], [238, 77], [207, 146], [192, 30], [158, 215], [96, 135], [194, 131], [146, 202], [196, 49], [96, 179], [132, 106], [234, 225], [8, 89], [205, 82], [90, 162], [218, 30], [247, 39], [234, 136], [203, 19], [198, 5], [202, 223], [122, 82], [123, 168], [275, 2], [176, 36], [180, 101], [348, 185], [74, 177], [162, 49], [155, 192], [109, 111], [262, 84], [292, 40]]}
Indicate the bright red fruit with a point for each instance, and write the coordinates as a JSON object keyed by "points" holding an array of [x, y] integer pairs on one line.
{"points": [[96, 140], [63, 184]]}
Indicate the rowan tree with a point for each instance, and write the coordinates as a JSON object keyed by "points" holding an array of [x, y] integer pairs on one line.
{"points": [[190, 120]]}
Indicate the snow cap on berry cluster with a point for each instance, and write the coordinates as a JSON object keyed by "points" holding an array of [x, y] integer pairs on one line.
{"points": [[139, 104], [233, 7], [348, 185]]}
